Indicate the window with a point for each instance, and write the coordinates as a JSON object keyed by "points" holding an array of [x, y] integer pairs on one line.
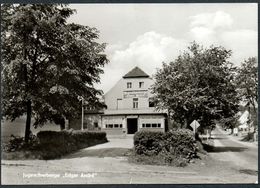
{"points": [[151, 103], [119, 103], [95, 124], [135, 102], [141, 84], [110, 126], [148, 125], [129, 84], [154, 125]]}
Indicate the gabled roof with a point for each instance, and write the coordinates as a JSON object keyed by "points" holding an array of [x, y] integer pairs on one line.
{"points": [[136, 73]]}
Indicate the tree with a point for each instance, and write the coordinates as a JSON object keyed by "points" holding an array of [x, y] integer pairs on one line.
{"points": [[230, 122], [247, 84], [48, 63], [199, 85]]}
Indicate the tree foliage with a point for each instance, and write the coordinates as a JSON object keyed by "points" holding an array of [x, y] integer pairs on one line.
{"points": [[199, 85], [47, 62], [247, 82]]}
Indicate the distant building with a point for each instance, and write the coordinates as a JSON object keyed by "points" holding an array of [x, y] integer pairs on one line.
{"points": [[243, 120], [129, 107]]}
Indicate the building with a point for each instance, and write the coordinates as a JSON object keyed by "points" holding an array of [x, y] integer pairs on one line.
{"points": [[129, 108], [92, 121]]}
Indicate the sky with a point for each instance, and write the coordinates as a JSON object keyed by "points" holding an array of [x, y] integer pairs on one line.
{"points": [[145, 35]]}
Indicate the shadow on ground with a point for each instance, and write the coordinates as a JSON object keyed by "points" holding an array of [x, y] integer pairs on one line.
{"points": [[249, 172], [105, 152], [219, 149], [218, 138]]}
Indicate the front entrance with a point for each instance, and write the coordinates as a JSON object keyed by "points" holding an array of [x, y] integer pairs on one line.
{"points": [[131, 125]]}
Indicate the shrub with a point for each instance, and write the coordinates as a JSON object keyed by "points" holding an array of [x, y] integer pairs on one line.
{"points": [[17, 143], [148, 143], [175, 147], [51, 144], [55, 144], [249, 137]]}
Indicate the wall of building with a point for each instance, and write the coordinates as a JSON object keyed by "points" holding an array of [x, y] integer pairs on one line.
{"points": [[107, 120], [120, 91], [111, 124], [118, 131], [151, 119], [153, 129], [91, 122]]}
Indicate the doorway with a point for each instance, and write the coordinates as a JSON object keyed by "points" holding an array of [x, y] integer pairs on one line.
{"points": [[131, 125]]}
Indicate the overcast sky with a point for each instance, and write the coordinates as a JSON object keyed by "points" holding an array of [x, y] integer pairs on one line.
{"points": [[145, 35]]}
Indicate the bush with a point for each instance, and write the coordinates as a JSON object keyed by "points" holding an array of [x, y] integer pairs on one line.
{"points": [[174, 147], [56, 144], [249, 137], [148, 143], [17, 143]]}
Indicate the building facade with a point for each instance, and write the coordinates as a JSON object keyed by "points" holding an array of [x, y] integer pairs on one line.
{"points": [[129, 106]]}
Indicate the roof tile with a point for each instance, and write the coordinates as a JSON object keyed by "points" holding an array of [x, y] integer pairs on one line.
{"points": [[136, 73]]}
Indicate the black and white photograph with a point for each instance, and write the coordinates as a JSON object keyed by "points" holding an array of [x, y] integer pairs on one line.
{"points": [[129, 93]]}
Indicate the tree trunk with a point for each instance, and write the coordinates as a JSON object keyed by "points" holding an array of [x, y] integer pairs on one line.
{"points": [[62, 127], [254, 129], [232, 130], [28, 102], [62, 124], [185, 125], [28, 121], [249, 119]]}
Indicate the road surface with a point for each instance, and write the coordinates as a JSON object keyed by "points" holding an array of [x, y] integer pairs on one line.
{"points": [[236, 152], [229, 162]]}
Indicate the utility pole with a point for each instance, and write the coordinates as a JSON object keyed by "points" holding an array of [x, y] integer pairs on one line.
{"points": [[82, 114], [80, 98]]}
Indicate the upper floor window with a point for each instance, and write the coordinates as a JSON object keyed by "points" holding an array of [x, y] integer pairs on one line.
{"points": [[129, 84], [141, 84], [135, 102], [119, 103]]}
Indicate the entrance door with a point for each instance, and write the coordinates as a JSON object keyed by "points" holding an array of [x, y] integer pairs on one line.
{"points": [[131, 125]]}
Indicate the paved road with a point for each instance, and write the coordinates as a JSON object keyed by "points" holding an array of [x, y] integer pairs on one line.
{"points": [[229, 162], [228, 149]]}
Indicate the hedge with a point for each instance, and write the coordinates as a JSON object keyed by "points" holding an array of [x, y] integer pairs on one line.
{"points": [[55, 144], [168, 147]]}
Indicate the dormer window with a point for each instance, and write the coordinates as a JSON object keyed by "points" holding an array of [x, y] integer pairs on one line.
{"points": [[141, 84], [129, 84]]}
